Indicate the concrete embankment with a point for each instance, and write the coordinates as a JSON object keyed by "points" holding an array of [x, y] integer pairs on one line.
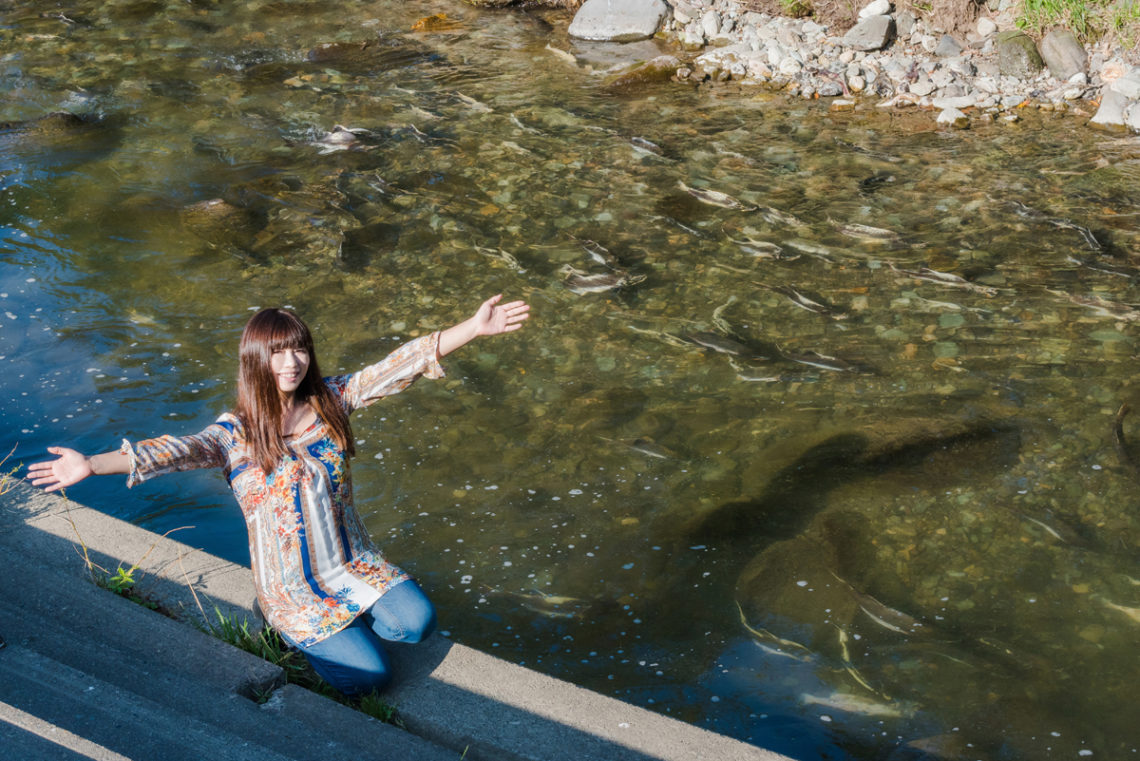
{"points": [[85, 673]]}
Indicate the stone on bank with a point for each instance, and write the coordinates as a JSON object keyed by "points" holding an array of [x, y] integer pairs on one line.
{"points": [[1063, 54], [618, 20]]}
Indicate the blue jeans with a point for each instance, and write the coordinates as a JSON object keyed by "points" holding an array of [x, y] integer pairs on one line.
{"points": [[354, 660]]}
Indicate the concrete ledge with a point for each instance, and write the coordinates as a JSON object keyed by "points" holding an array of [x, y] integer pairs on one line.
{"points": [[447, 694]]}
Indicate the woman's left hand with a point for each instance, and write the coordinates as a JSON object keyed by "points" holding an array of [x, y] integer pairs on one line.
{"points": [[494, 318]]}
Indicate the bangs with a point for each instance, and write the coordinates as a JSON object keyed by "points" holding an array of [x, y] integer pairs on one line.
{"points": [[272, 330], [287, 336]]}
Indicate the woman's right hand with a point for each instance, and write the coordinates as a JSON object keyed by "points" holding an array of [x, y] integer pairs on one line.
{"points": [[69, 467]]}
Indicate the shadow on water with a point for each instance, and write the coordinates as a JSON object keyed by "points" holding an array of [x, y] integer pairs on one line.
{"points": [[58, 142]]}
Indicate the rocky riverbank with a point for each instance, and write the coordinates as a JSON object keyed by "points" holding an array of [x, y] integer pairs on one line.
{"points": [[984, 70]]}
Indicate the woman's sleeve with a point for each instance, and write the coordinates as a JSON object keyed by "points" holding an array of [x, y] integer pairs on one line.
{"points": [[169, 454], [390, 375]]}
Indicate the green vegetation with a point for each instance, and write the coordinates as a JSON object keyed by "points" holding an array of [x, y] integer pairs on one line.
{"points": [[796, 8], [7, 480], [268, 645], [122, 581], [1090, 20], [265, 642]]}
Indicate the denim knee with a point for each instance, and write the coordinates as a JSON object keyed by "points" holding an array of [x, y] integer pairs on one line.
{"points": [[353, 660], [403, 614]]}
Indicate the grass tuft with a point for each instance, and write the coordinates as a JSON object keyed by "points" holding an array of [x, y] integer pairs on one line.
{"points": [[268, 645], [8, 480], [1090, 20]]}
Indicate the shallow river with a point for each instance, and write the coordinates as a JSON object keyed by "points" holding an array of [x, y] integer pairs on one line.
{"points": [[832, 469]]}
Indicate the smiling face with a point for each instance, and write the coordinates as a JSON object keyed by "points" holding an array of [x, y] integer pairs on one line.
{"points": [[276, 360], [289, 367]]}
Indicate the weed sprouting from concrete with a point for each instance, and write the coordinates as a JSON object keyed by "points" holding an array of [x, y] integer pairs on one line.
{"points": [[122, 582], [8, 480], [268, 645]]}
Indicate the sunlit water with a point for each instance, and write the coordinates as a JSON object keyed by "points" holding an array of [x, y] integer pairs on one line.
{"points": [[887, 510]]}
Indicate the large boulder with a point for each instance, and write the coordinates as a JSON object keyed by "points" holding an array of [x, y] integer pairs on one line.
{"points": [[871, 33], [1128, 85], [1110, 114], [618, 20], [1017, 55], [1120, 103], [1063, 54]]}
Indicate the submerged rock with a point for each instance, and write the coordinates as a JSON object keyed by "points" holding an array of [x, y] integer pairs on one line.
{"points": [[658, 69], [618, 20], [219, 223]]}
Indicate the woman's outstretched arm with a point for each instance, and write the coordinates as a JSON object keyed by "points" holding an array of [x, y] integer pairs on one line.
{"points": [[491, 319], [70, 467]]}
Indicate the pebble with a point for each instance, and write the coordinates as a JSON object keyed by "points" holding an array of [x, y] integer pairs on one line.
{"points": [[954, 77]]}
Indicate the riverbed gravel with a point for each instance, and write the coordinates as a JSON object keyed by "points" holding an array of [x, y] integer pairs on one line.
{"points": [[893, 59]]}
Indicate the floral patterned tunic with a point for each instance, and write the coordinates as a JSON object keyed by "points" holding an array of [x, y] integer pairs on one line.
{"points": [[314, 566]]}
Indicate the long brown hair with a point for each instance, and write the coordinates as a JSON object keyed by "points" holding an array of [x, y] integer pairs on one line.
{"points": [[259, 401]]}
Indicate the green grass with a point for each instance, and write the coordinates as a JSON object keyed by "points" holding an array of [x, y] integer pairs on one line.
{"points": [[8, 480], [268, 645], [1090, 20]]}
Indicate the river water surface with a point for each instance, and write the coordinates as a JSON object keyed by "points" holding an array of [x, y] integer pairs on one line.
{"points": [[834, 471]]}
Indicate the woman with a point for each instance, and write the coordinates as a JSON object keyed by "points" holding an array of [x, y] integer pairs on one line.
{"points": [[321, 582]]}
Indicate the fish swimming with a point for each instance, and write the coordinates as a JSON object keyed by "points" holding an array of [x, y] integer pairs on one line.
{"points": [[866, 232], [646, 146], [504, 256], [771, 643], [471, 103], [883, 615], [824, 362], [713, 197], [718, 343], [1102, 306], [803, 301], [946, 278], [340, 138], [583, 282]]}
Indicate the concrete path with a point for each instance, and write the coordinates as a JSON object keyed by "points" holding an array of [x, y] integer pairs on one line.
{"points": [[87, 674]]}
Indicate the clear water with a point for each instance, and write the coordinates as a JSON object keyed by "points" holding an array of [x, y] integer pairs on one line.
{"points": [[925, 536]]}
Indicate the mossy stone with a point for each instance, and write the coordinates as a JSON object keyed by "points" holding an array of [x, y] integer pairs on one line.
{"points": [[1017, 55]]}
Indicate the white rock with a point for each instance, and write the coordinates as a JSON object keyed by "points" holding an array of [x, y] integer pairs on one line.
{"points": [[985, 27], [1128, 85], [1112, 109], [1112, 71], [856, 83], [758, 69], [618, 20], [953, 104], [710, 24], [987, 85], [847, 56], [954, 118], [875, 8], [775, 54], [1080, 78], [789, 67], [1132, 117], [693, 37], [922, 86]]}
